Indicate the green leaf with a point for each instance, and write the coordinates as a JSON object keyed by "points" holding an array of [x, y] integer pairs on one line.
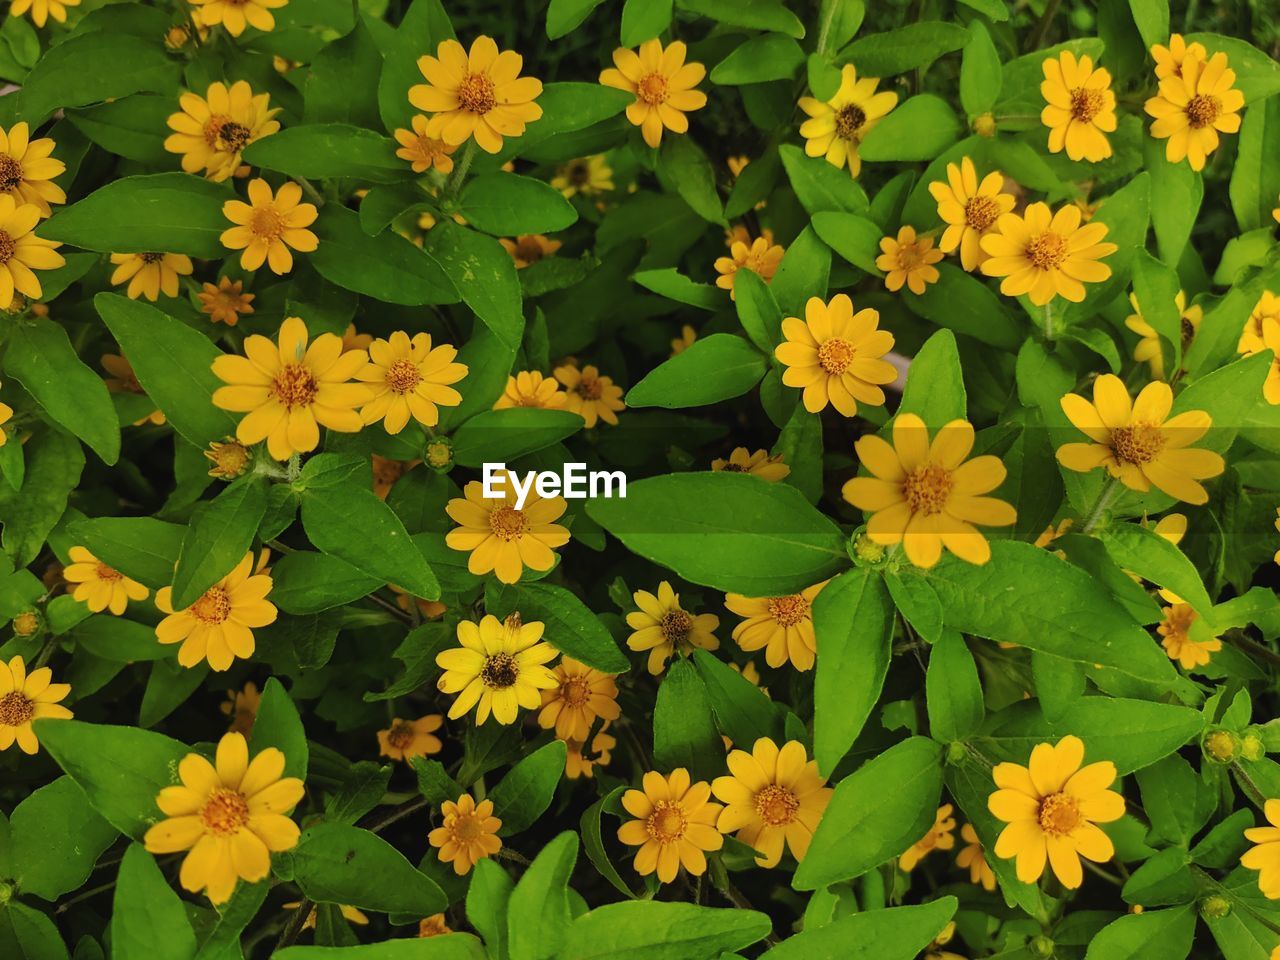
{"points": [[1152, 20], [1176, 801], [538, 913], [711, 369], [1142, 551], [386, 267], [566, 108], [333, 863], [563, 16], [670, 283], [342, 84], [743, 712], [220, 534], [805, 267], [169, 685], [233, 917], [452, 946], [1125, 214], [654, 930], [433, 782], [980, 76], [904, 49], [682, 162], [524, 794], [643, 20], [1255, 175], [953, 690], [133, 127], [485, 277], [502, 436], [770, 56], [424, 25], [757, 310], [571, 627], [487, 897], [918, 129], [142, 548], [505, 204], [30, 933], [935, 383], [854, 237], [93, 67], [54, 462], [684, 732], [149, 921], [278, 725], [1181, 190], [323, 150], [899, 933], [966, 305], [307, 582], [57, 839], [821, 187], [1153, 935]]}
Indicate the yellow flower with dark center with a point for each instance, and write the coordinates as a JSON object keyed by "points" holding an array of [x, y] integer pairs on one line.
{"points": [[529, 388], [122, 379], [683, 342], [502, 538], [150, 274], [25, 697], [663, 85], [269, 225], [762, 463], [1271, 341], [1080, 107], [781, 626], [236, 14], [587, 176], [99, 586], [908, 259], [940, 836], [927, 496], [1193, 108], [772, 796], [225, 302], [433, 926], [230, 815], [42, 10], [1045, 254], [1137, 441], [230, 459], [28, 169], [760, 257], [218, 627], [468, 834], [242, 707], [500, 667], [578, 762], [527, 249], [21, 251], [1169, 59], [835, 355], [406, 739], [409, 378], [590, 395], [664, 628], [1265, 855], [835, 129], [970, 209], [478, 94], [1251, 339], [973, 858], [211, 132], [1178, 643], [1149, 350], [674, 824], [289, 391], [581, 694], [1052, 807], [386, 472], [423, 152]]}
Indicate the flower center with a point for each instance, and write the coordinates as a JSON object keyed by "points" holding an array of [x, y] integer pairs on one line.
{"points": [[928, 488], [233, 136], [1059, 814], [10, 173], [403, 376], [849, 120], [225, 812], [652, 88], [575, 691], [230, 458], [7, 247], [667, 823], [476, 93], [150, 258], [909, 256], [529, 249], [981, 212], [675, 625], [467, 828], [788, 611], [578, 173], [400, 735], [1203, 109], [267, 224], [1047, 251], [213, 607], [109, 574], [1137, 444], [589, 389], [777, 805], [15, 709], [835, 355], [1086, 104], [734, 468], [507, 523], [1188, 333], [294, 386], [499, 671]]}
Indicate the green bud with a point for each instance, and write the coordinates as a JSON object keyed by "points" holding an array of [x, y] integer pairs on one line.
{"points": [[1215, 907], [1042, 946], [1220, 746]]}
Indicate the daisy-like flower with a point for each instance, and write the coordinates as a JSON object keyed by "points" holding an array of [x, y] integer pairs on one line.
{"points": [[772, 796], [1080, 107], [386, 472], [25, 697], [835, 129], [835, 355], [927, 496], [973, 858], [150, 274], [683, 342], [423, 152], [940, 836], [21, 251], [353, 339], [1179, 622], [409, 378], [1193, 108], [1045, 254], [211, 132], [1251, 337], [230, 459], [122, 379], [225, 302], [433, 926], [590, 395], [579, 762], [908, 259], [500, 667], [1148, 350], [1137, 441], [528, 248], [231, 815], [406, 739], [269, 225], [762, 463], [581, 694], [663, 85], [42, 10], [236, 14], [529, 388], [290, 390], [478, 94], [1169, 59], [468, 834], [218, 627], [1265, 855], [6, 414], [501, 538], [781, 626], [970, 209], [242, 707], [1052, 807], [1271, 341], [587, 176], [99, 586], [674, 824], [759, 257], [665, 628], [27, 168]]}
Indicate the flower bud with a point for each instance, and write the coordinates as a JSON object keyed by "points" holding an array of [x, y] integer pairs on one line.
{"points": [[1215, 907], [1221, 746], [439, 454], [984, 125]]}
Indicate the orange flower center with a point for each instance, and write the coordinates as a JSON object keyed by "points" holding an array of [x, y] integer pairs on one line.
{"points": [[403, 376], [835, 355], [225, 812], [476, 93], [589, 389], [675, 625], [1137, 444], [400, 735], [1086, 104], [652, 88], [10, 173], [849, 120], [667, 823], [109, 574], [928, 489], [1059, 814], [213, 607], [15, 709], [466, 827], [575, 691], [499, 671], [910, 256], [295, 386], [508, 523], [1203, 110], [788, 611], [777, 805], [266, 224], [981, 212], [233, 136], [1047, 251], [7, 247], [528, 248]]}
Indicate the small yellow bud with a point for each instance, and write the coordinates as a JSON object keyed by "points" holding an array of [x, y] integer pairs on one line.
{"points": [[1221, 746], [229, 459], [26, 624], [867, 550], [439, 454], [984, 125], [1252, 747]]}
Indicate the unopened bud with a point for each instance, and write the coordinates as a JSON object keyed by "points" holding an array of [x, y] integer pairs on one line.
{"points": [[1221, 746]]}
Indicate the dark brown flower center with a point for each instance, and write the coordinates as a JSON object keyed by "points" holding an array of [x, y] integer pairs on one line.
{"points": [[213, 607], [777, 805], [10, 173], [508, 523], [981, 212], [403, 376], [15, 709], [849, 120], [1059, 814], [400, 735], [652, 88], [149, 258], [225, 812], [589, 388], [1203, 110], [928, 489], [499, 671], [7, 247], [675, 625], [788, 611], [1086, 104], [835, 355], [528, 249], [578, 173], [667, 823], [1137, 444], [233, 136], [1047, 251], [476, 93], [294, 386]]}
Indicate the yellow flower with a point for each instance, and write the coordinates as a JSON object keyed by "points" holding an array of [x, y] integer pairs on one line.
{"points": [[973, 858], [938, 837], [423, 152], [99, 586], [1193, 108], [406, 739], [231, 815], [835, 129], [42, 10], [1251, 339], [581, 694], [291, 390], [590, 395], [576, 761], [908, 259], [433, 926], [772, 796], [663, 86], [478, 94], [529, 388], [217, 627], [749, 672], [1265, 856], [970, 209], [1052, 807], [1178, 643], [781, 626], [1044, 254], [386, 472], [230, 459], [211, 132], [1271, 340], [674, 824], [352, 339], [409, 378], [27, 168], [738, 233], [835, 355], [759, 257], [664, 628], [349, 913], [235, 14], [225, 302], [150, 274], [766, 466], [25, 697], [1169, 59], [501, 538], [1148, 349], [683, 342], [1080, 107], [587, 176], [500, 667], [927, 496], [737, 164], [934, 950], [123, 380], [427, 609], [1052, 533], [468, 835], [242, 707], [1137, 441], [21, 251], [268, 225], [529, 248], [6, 414]]}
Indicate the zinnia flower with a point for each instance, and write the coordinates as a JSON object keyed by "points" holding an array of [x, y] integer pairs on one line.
{"points": [[1080, 107], [1169, 59], [468, 835], [42, 10], [1137, 441], [529, 388], [527, 249], [835, 129], [231, 817], [587, 176], [674, 824], [21, 251], [1191, 109], [762, 463], [122, 379], [242, 707], [423, 152], [970, 209], [235, 14], [27, 169], [1179, 621], [1149, 350], [225, 302], [663, 86], [1251, 339], [501, 538], [908, 259], [663, 627], [581, 695], [99, 586], [406, 739], [940, 836], [211, 132], [1265, 856], [217, 627], [25, 697], [409, 378], [269, 225], [781, 626], [590, 395], [760, 257], [230, 459], [1044, 254], [927, 496], [500, 667], [972, 858]]}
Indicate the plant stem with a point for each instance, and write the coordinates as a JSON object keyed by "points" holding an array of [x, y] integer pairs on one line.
{"points": [[309, 189], [1048, 321], [454, 184], [1042, 27], [1100, 505], [294, 926], [1256, 795], [1252, 647]]}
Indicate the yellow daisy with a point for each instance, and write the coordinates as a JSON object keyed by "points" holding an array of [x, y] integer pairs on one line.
{"points": [[908, 259], [590, 395], [835, 129], [1044, 254], [236, 14], [230, 459], [1148, 349], [1271, 341], [674, 824], [406, 739], [502, 539], [122, 379], [218, 627], [759, 257], [664, 628], [225, 302], [6, 414], [529, 388], [1193, 108], [527, 249], [500, 667], [42, 10], [21, 251], [970, 209], [973, 858], [269, 225], [242, 707], [99, 586], [211, 132], [409, 378], [940, 836], [766, 466], [25, 697], [1178, 642], [581, 695], [423, 152], [587, 176], [1251, 339], [1052, 533], [352, 339], [27, 168], [433, 926], [1080, 107], [468, 834], [578, 762], [1265, 855], [1169, 59], [150, 274], [781, 626], [663, 86]]}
